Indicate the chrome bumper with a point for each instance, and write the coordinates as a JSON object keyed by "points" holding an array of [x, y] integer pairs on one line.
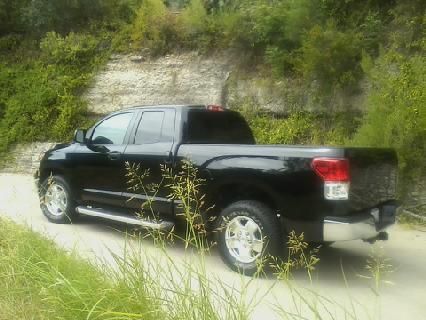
{"points": [[369, 226], [341, 231]]}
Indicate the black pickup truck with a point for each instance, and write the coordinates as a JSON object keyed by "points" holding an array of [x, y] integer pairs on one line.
{"points": [[262, 192]]}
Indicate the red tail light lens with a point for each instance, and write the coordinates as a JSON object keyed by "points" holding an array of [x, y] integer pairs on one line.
{"points": [[332, 170], [212, 107]]}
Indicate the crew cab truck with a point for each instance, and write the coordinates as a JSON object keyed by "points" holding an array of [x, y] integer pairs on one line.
{"points": [[259, 192]]}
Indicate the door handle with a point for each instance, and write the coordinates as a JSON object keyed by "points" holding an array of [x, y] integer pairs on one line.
{"points": [[114, 155]]}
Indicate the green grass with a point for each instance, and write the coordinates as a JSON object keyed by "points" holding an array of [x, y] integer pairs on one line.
{"points": [[41, 281]]}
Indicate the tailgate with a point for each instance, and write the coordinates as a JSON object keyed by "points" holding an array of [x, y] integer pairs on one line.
{"points": [[373, 176]]}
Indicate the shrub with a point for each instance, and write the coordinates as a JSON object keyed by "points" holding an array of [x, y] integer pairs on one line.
{"points": [[205, 31], [330, 57], [73, 49], [302, 127], [10, 42], [40, 95], [396, 114], [194, 17], [63, 16], [154, 27]]}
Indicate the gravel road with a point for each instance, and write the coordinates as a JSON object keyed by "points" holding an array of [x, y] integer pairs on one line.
{"points": [[402, 296]]}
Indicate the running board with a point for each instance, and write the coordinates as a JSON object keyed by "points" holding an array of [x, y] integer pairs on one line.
{"points": [[110, 215]]}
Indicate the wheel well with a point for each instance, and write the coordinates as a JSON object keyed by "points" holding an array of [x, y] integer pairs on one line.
{"points": [[227, 194], [47, 172]]}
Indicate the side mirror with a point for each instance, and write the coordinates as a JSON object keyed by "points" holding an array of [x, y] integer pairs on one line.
{"points": [[80, 136]]}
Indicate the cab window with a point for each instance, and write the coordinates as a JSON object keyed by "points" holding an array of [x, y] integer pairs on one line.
{"points": [[149, 129]]}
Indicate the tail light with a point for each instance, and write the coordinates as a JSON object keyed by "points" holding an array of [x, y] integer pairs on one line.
{"points": [[335, 174], [212, 107]]}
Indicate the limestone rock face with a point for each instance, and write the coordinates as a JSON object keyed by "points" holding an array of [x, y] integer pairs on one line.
{"points": [[172, 79], [188, 78], [25, 158]]}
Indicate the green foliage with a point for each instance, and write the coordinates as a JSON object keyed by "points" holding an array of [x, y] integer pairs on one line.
{"points": [[10, 16], [154, 27], [41, 281], [330, 57], [195, 21], [40, 95], [9, 43], [302, 127], [194, 17], [40, 16], [205, 31], [70, 50], [396, 114]]}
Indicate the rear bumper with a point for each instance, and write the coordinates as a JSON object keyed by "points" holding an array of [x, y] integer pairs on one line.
{"points": [[343, 231], [365, 227]]}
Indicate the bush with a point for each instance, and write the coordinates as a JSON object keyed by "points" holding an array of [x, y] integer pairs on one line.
{"points": [[330, 57], [40, 95], [9, 43], [63, 16], [396, 114], [302, 128], [73, 49], [154, 27]]}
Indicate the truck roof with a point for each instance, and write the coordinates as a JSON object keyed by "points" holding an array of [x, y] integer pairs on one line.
{"points": [[176, 106]]}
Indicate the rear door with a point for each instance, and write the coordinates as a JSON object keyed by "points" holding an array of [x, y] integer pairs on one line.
{"points": [[99, 166], [150, 147]]}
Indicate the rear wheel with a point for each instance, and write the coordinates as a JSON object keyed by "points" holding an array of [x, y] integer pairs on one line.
{"points": [[56, 200], [248, 231]]}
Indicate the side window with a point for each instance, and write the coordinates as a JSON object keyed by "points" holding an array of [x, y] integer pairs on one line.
{"points": [[150, 127], [112, 130]]}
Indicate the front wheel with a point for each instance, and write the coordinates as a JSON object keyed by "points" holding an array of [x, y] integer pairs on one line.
{"points": [[248, 231], [56, 201]]}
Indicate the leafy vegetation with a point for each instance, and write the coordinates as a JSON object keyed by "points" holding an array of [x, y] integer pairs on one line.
{"points": [[302, 127], [396, 110], [49, 51], [40, 95]]}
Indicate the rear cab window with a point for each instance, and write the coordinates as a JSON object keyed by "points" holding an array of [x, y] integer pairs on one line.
{"points": [[217, 127]]}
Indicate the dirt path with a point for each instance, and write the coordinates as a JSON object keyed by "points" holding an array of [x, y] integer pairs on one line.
{"points": [[403, 298]]}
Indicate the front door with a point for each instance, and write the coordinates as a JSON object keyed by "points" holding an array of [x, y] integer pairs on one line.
{"points": [[99, 165]]}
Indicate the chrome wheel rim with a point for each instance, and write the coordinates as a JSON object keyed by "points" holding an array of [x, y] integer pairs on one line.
{"points": [[56, 199], [243, 238]]}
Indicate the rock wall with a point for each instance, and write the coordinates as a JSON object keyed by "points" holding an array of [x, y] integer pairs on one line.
{"points": [[172, 79], [192, 79], [25, 158]]}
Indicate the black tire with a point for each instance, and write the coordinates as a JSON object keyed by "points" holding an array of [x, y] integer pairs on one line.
{"points": [[249, 211], [62, 216]]}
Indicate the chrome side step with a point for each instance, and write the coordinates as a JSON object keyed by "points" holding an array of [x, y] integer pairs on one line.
{"points": [[110, 215]]}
